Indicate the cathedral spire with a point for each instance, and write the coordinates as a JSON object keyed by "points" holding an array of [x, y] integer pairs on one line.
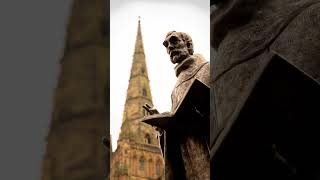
{"points": [[139, 43], [138, 153], [79, 116], [139, 91]]}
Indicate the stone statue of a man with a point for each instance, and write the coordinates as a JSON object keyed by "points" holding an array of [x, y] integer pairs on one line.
{"points": [[185, 151]]}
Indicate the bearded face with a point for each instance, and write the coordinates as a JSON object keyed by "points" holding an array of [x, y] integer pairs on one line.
{"points": [[177, 47]]}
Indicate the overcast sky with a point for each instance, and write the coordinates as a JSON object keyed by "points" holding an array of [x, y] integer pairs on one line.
{"points": [[157, 18]]}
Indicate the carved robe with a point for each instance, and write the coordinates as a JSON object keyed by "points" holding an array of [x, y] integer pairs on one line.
{"points": [[265, 78], [187, 154]]}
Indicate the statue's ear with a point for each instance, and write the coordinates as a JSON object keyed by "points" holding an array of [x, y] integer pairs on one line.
{"points": [[190, 48]]}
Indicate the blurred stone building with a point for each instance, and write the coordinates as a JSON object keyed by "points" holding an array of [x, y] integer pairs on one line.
{"points": [[80, 116], [138, 154]]}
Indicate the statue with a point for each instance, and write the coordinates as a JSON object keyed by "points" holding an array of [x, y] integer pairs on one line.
{"points": [[265, 86], [186, 128]]}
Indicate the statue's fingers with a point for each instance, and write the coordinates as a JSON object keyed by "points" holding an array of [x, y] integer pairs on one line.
{"points": [[146, 108]]}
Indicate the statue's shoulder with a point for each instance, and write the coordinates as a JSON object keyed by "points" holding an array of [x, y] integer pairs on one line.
{"points": [[299, 42], [303, 29], [203, 75], [198, 68]]}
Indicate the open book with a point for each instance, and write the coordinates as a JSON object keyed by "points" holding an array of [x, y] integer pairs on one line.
{"points": [[192, 111]]}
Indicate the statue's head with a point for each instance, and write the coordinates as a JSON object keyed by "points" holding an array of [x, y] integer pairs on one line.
{"points": [[179, 46]]}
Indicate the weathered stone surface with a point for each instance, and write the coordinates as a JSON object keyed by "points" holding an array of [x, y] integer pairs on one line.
{"points": [[262, 48], [273, 23], [80, 113], [88, 23]]}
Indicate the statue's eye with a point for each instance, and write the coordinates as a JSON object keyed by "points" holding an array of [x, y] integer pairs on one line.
{"points": [[165, 43], [173, 39]]}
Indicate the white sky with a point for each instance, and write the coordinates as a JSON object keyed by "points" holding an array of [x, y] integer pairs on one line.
{"points": [[156, 20]]}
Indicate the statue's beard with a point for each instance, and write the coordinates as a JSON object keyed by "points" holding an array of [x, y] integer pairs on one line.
{"points": [[178, 55]]}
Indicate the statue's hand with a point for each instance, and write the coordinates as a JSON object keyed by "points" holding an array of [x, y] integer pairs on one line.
{"points": [[150, 110]]}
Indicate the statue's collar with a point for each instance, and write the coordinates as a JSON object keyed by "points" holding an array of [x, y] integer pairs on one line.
{"points": [[191, 63]]}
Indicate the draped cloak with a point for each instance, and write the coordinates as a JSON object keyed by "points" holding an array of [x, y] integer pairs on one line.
{"points": [[266, 73], [187, 154]]}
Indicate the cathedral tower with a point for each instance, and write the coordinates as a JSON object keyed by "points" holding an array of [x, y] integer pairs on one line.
{"points": [[80, 111], [138, 154]]}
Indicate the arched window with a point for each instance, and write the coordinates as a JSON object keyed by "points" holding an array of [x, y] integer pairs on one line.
{"points": [[142, 70], [148, 139], [150, 167], [141, 164], [158, 170], [134, 163]]}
